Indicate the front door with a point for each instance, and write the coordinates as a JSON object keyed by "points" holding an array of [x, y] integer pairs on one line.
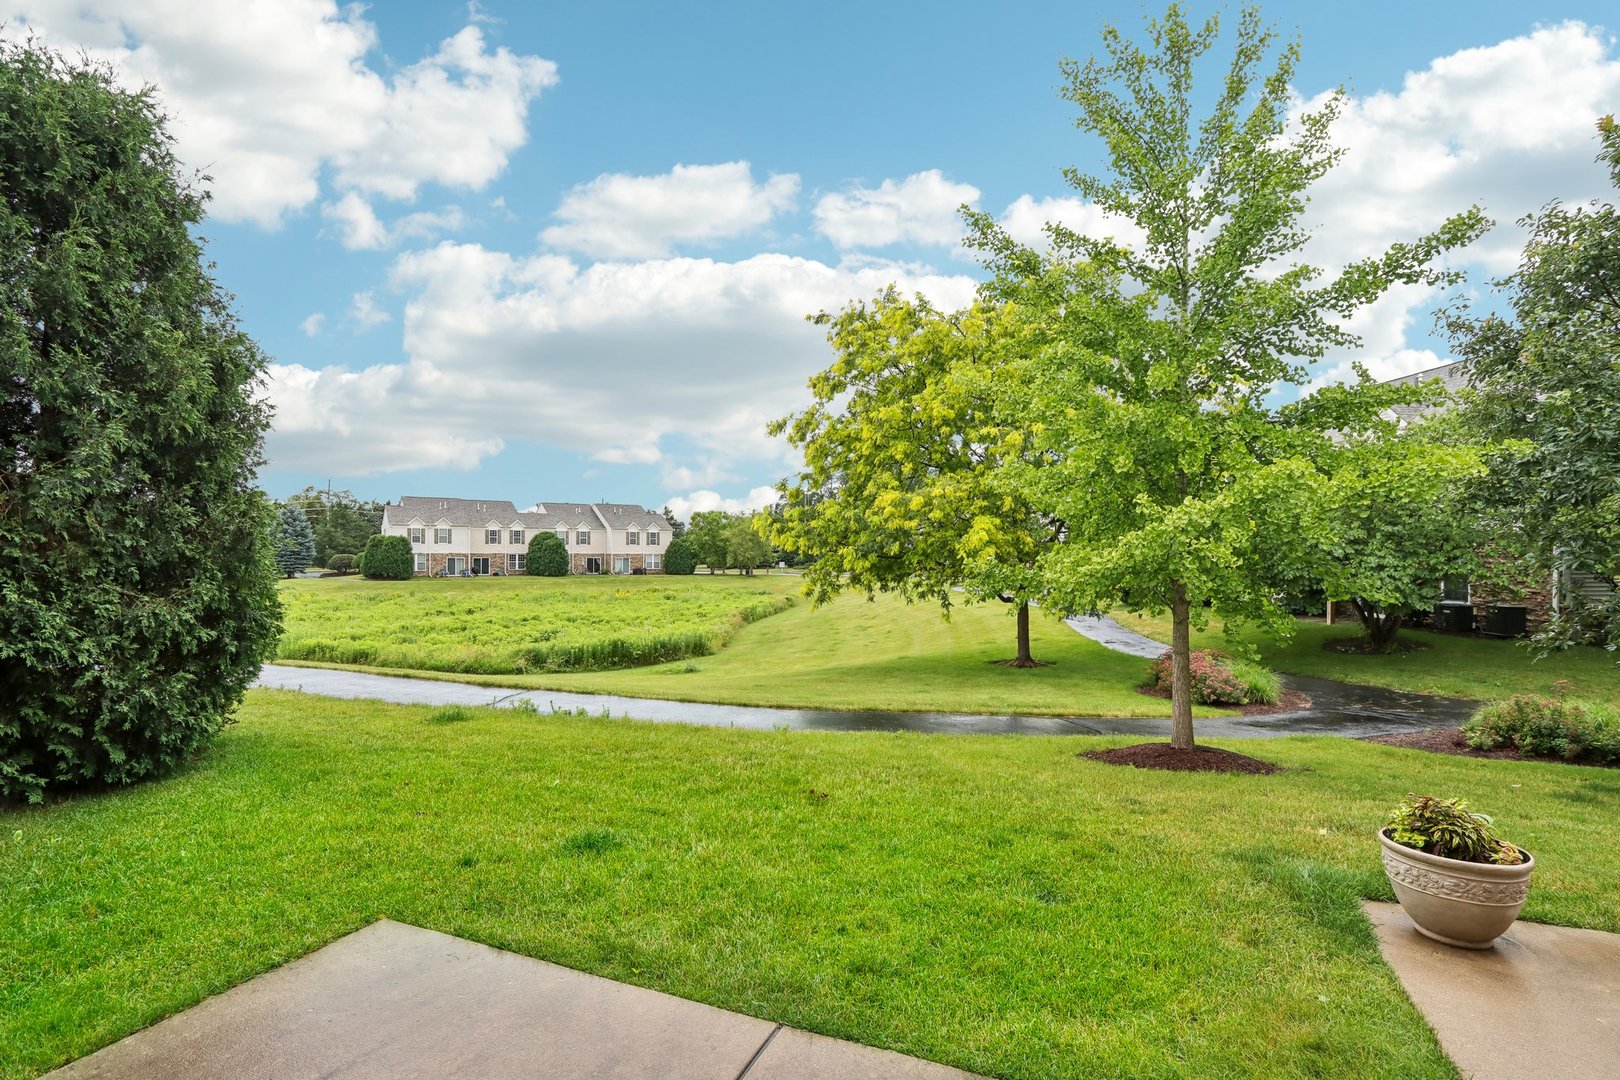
{"points": [[480, 566], [593, 565], [454, 565]]}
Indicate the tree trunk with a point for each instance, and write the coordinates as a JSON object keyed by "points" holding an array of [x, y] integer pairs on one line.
{"points": [[1380, 624], [1181, 723]]}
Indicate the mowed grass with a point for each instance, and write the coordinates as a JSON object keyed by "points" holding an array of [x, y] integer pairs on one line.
{"points": [[994, 902], [882, 654], [1453, 665], [511, 625]]}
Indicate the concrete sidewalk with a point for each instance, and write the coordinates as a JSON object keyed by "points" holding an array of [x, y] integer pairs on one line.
{"points": [[1544, 1004], [398, 1001]]}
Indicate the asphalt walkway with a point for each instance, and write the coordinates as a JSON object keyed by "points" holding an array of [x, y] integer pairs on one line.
{"points": [[332, 682], [398, 1001]]}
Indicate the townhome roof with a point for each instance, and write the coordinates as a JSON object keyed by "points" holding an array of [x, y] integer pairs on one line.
{"points": [[477, 513], [1453, 377]]}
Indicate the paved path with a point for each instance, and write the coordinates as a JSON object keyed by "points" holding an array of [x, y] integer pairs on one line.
{"points": [[1110, 635], [332, 682], [1544, 1004], [397, 1001]]}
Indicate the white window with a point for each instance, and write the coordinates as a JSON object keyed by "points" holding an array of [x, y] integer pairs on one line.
{"points": [[652, 537], [583, 536], [421, 560], [492, 536], [517, 536], [621, 564], [632, 538], [517, 562], [562, 533], [418, 535], [441, 536], [655, 562]]}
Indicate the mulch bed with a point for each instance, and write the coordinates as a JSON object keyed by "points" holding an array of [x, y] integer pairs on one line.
{"points": [[1168, 758], [1356, 646], [1288, 701], [1449, 740]]}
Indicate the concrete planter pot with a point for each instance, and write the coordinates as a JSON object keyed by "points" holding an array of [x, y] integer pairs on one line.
{"points": [[1465, 904]]}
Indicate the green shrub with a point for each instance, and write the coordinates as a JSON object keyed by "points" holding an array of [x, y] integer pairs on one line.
{"points": [[1261, 685], [1548, 727], [679, 558], [343, 564], [136, 551], [1217, 679], [548, 555], [388, 558], [1447, 828]]}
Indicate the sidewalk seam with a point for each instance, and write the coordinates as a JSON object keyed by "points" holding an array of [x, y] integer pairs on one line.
{"points": [[746, 1069]]}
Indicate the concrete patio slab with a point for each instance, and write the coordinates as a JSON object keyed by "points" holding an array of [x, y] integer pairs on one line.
{"points": [[398, 1001], [1544, 1003], [801, 1055]]}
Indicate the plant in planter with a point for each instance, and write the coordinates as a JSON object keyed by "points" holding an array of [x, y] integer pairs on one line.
{"points": [[1460, 882]]}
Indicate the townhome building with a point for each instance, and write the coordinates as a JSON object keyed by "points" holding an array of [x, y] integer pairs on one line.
{"points": [[450, 537]]}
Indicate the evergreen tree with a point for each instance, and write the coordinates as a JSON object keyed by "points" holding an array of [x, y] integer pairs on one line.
{"points": [[295, 541], [135, 546]]}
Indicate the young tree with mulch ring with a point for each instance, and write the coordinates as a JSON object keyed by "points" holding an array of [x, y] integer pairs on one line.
{"points": [[1152, 363]]}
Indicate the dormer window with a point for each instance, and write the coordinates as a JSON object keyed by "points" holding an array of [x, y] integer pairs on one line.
{"points": [[652, 537], [632, 537], [492, 536], [583, 536], [517, 536], [418, 536], [441, 536]]}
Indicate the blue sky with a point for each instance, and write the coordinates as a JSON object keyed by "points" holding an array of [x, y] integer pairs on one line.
{"points": [[563, 250]]}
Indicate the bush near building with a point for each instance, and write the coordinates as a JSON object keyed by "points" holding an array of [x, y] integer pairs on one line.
{"points": [[388, 558], [548, 556]]}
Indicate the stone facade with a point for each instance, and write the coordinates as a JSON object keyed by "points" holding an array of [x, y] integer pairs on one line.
{"points": [[577, 563]]}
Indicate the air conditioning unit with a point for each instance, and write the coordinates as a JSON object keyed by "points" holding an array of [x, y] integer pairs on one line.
{"points": [[1455, 616], [1506, 621]]}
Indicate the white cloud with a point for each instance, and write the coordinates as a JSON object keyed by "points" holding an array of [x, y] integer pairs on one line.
{"points": [[921, 209], [636, 217], [266, 94], [1026, 220], [358, 226], [360, 229], [312, 325], [365, 312], [1508, 126], [684, 506], [609, 359]]}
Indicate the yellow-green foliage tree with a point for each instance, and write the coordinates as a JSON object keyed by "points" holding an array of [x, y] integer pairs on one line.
{"points": [[900, 449]]}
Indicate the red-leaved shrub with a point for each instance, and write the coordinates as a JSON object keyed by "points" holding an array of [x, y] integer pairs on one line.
{"points": [[1212, 680]]}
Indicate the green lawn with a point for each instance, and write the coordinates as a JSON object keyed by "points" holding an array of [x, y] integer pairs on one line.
{"points": [[509, 625], [883, 654], [1470, 667], [994, 902]]}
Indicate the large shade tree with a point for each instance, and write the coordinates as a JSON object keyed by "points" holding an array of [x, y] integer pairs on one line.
{"points": [[901, 447], [137, 591], [1152, 365], [1547, 381]]}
